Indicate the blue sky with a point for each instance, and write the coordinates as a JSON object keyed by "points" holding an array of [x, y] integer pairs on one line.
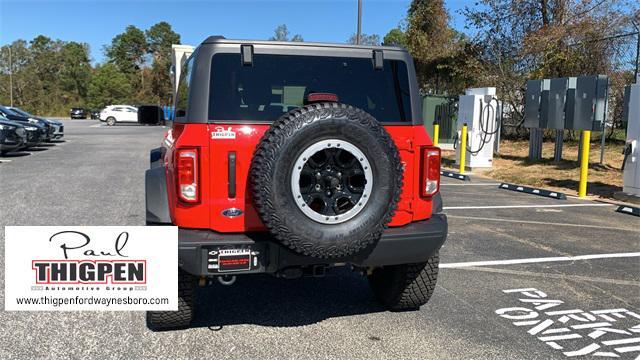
{"points": [[97, 22]]}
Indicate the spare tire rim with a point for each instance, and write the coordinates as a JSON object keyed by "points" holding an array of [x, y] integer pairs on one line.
{"points": [[331, 181]]}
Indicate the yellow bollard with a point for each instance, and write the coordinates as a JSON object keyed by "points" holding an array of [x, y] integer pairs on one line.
{"points": [[463, 148], [584, 163], [436, 134]]}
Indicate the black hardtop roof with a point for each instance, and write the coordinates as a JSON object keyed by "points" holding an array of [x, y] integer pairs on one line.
{"points": [[202, 60], [217, 39]]}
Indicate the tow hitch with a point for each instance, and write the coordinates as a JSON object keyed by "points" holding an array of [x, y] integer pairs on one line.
{"points": [[227, 280]]}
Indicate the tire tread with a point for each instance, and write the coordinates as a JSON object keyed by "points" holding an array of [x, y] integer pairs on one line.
{"points": [[162, 320], [406, 286]]}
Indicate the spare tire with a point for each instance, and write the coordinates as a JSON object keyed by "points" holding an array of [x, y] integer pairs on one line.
{"points": [[326, 179]]}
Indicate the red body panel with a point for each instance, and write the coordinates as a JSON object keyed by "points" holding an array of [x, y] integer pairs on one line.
{"points": [[214, 175]]}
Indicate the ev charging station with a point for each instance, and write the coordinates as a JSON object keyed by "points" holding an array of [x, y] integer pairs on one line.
{"points": [[478, 109], [631, 174]]}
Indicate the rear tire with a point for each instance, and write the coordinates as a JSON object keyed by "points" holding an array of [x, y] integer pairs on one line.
{"points": [[405, 286], [111, 121], [162, 320], [360, 174]]}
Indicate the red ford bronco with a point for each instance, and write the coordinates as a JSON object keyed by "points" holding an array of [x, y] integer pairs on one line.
{"points": [[290, 158]]}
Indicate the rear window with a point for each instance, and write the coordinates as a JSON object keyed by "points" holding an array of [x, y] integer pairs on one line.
{"points": [[276, 84]]}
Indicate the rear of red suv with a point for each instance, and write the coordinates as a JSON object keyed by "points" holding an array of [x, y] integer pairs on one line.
{"points": [[292, 158]]}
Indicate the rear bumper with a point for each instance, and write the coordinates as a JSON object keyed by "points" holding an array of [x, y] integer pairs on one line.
{"points": [[412, 243]]}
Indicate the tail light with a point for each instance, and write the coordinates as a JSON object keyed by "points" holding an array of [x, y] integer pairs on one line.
{"points": [[429, 171], [187, 175]]}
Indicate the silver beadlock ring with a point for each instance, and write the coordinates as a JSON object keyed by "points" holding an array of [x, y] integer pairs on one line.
{"points": [[302, 160]]}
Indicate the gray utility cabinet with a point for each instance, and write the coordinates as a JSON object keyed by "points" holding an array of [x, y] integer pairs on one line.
{"points": [[586, 102], [532, 104], [552, 104], [625, 104]]}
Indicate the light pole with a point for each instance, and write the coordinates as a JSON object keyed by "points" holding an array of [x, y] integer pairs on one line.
{"points": [[359, 31], [635, 25], [10, 77]]}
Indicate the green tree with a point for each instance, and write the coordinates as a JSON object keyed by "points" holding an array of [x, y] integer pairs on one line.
{"points": [[108, 86], [75, 69], [22, 78], [395, 37], [368, 40], [44, 91], [127, 50], [51, 75], [431, 42], [281, 33], [43, 57], [160, 37]]}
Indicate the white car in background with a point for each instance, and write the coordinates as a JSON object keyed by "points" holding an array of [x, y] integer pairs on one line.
{"points": [[114, 114]]}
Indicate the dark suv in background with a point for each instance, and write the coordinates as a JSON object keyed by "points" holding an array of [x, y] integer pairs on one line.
{"points": [[77, 113]]}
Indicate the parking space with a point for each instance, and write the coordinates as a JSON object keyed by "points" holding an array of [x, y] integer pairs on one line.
{"points": [[521, 276], [532, 226]]}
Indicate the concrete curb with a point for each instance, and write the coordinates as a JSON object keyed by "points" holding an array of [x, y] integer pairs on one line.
{"points": [[630, 210], [455, 175], [533, 191]]}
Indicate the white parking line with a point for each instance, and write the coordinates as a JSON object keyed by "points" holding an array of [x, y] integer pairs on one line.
{"points": [[521, 206], [537, 260], [541, 223], [472, 184]]}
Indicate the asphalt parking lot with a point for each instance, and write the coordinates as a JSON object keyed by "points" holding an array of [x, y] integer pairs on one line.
{"points": [[521, 276]]}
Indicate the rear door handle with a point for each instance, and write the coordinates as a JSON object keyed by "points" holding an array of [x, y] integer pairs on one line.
{"points": [[231, 174]]}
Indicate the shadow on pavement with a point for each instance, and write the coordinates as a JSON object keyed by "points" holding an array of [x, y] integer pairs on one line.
{"points": [[268, 301], [593, 187], [15, 154], [37, 148]]}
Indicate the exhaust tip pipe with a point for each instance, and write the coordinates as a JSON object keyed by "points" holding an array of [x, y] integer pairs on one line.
{"points": [[227, 280]]}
